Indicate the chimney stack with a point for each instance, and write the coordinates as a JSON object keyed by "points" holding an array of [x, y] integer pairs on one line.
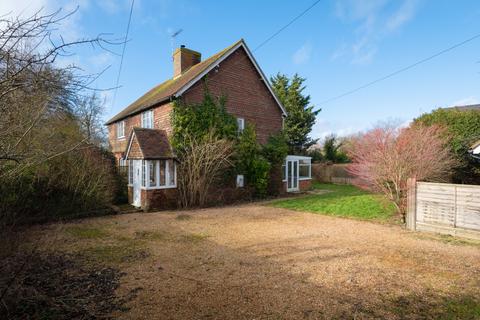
{"points": [[184, 59]]}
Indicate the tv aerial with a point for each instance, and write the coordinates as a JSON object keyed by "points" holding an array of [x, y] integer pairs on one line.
{"points": [[173, 36]]}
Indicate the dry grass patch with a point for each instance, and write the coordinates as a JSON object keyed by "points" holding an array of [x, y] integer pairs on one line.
{"points": [[194, 237], [183, 217], [150, 235], [86, 232]]}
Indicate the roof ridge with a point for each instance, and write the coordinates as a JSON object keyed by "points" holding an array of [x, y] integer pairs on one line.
{"points": [[148, 99]]}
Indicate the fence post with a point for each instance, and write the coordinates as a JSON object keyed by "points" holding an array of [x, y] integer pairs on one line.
{"points": [[411, 218]]}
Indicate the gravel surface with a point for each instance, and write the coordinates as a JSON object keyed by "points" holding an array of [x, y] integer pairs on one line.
{"points": [[258, 262]]}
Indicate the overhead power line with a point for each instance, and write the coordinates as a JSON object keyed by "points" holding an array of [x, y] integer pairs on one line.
{"points": [[286, 26], [123, 54], [390, 75]]}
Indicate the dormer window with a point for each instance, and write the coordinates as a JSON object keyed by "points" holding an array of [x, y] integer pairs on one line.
{"points": [[147, 119], [240, 125], [121, 130]]}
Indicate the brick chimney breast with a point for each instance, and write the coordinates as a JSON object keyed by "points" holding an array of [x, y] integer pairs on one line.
{"points": [[184, 59]]}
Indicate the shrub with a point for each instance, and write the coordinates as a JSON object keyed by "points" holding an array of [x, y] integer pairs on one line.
{"points": [[251, 163], [198, 120], [463, 129], [384, 158]]}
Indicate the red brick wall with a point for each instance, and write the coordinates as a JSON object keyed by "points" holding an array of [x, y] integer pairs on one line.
{"points": [[135, 152], [159, 199], [304, 185], [247, 95], [161, 120]]}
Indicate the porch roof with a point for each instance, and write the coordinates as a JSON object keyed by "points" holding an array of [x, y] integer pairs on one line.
{"points": [[146, 143]]}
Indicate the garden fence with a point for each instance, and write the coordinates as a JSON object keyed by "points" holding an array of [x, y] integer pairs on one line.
{"points": [[331, 173], [444, 208]]}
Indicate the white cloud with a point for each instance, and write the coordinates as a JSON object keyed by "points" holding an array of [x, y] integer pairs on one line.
{"points": [[324, 128], [22, 7], [303, 54], [403, 15], [374, 21], [102, 59]]}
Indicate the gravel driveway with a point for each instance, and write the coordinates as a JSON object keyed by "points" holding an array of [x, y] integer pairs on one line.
{"points": [[257, 262]]}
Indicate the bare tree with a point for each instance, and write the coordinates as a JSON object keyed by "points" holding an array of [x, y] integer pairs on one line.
{"points": [[202, 161], [385, 157], [89, 113], [35, 94]]}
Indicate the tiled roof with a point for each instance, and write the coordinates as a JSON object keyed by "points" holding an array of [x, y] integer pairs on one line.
{"points": [[153, 143], [165, 90]]}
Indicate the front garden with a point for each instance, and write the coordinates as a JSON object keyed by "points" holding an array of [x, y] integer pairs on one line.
{"points": [[341, 201]]}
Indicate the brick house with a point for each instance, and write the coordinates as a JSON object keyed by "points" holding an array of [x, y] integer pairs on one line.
{"points": [[139, 134]]}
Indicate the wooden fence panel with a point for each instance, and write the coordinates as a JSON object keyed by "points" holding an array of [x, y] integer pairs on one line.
{"points": [[436, 204], [445, 208]]}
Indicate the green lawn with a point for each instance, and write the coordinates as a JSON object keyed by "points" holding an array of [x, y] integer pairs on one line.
{"points": [[342, 201]]}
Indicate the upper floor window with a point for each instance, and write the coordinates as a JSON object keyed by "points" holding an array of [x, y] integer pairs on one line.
{"points": [[240, 125], [120, 129], [147, 119]]}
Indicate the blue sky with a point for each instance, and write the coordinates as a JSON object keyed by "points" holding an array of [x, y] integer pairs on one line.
{"points": [[338, 45]]}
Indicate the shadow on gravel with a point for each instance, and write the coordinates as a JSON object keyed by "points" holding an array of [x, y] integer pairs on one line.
{"points": [[58, 287]]}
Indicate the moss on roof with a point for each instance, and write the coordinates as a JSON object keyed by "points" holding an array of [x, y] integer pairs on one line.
{"points": [[168, 88]]}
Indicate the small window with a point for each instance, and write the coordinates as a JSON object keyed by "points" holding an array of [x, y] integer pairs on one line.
{"points": [[240, 125], [152, 173], [120, 129], [147, 119], [240, 181]]}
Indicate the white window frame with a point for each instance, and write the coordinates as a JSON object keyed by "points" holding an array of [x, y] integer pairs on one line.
{"points": [[298, 158], [122, 162], [121, 133], [167, 185], [241, 125], [309, 164], [147, 119]]}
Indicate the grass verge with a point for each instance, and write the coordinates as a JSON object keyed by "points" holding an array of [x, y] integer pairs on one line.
{"points": [[342, 201]]}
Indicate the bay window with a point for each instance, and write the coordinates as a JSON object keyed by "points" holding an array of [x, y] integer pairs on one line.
{"points": [[158, 174], [172, 174], [144, 173], [152, 173]]}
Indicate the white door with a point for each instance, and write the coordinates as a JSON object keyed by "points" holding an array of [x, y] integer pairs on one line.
{"points": [[292, 175], [137, 176]]}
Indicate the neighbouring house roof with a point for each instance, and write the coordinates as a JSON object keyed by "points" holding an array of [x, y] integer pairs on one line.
{"points": [[175, 87], [152, 144], [475, 107]]}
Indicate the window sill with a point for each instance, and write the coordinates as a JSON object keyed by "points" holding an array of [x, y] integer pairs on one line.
{"points": [[121, 138], [159, 188], [300, 179]]}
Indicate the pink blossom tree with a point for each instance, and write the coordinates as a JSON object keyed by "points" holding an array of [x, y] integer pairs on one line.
{"points": [[385, 157]]}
